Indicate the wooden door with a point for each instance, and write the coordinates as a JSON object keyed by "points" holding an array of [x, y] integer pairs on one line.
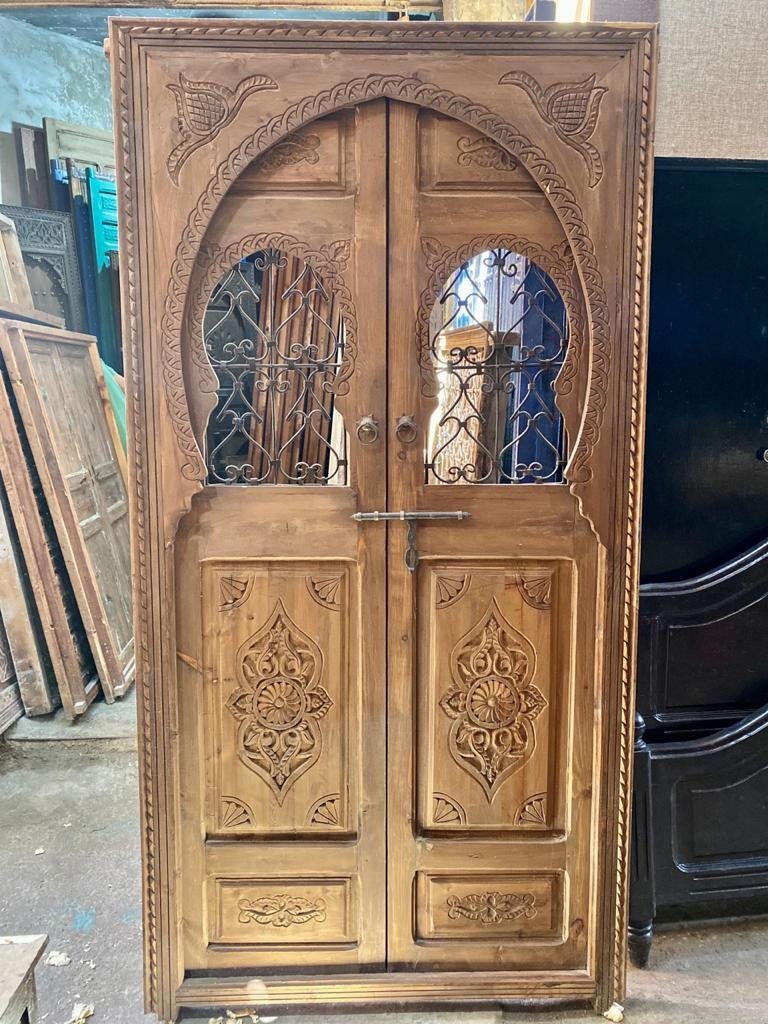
{"points": [[384, 761], [492, 639], [56, 386], [281, 622], [102, 207], [82, 145]]}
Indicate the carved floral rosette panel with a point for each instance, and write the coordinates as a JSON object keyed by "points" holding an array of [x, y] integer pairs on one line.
{"points": [[493, 702], [277, 674], [280, 911], [499, 907]]}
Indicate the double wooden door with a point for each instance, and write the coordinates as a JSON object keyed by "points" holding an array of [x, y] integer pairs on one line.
{"points": [[385, 579], [388, 761]]}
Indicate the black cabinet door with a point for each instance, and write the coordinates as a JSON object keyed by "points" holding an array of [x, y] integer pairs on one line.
{"points": [[706, 485]]}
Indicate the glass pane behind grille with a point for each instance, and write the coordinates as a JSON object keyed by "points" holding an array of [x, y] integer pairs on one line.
{"points": [[275, 340], [498, 339]]}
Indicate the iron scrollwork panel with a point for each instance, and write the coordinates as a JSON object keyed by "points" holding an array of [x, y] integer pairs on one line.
{"points": [[498, 340], [275, 338]]}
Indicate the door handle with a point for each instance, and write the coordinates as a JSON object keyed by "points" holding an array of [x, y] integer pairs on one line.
{"points": [[406, 430], [413, 519], [367, 430]]}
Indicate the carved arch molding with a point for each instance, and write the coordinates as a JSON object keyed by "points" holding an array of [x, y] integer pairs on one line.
{"points": [[189, 253]]}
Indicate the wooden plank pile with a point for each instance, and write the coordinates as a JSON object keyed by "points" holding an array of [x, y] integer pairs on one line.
{"points": [[66, 622]]}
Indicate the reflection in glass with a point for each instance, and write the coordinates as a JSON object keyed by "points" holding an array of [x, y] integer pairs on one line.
{"points": [[498, 338], [275, 340]]}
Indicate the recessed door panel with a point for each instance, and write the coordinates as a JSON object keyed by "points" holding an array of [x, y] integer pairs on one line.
{"points": [[283, 697], [494, 689]]}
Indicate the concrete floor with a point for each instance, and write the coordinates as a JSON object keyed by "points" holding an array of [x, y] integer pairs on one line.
{"points": [[76, 801]]}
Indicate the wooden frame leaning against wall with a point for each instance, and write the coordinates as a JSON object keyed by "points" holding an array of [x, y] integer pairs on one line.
{"points": [[570, 110]]}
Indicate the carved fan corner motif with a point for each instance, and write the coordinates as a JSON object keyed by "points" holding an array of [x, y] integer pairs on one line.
{"points": [[536, 588], [447, 811], [533, 811], [234, 590], [325, 590], [450, 588], [326, 811], [235, 813]]}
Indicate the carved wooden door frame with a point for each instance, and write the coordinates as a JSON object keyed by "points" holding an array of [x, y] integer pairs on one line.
{"points": [[574, 162]]}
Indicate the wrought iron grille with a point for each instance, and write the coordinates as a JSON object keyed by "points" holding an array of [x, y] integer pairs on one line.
{"points": [[275, 340], [498, 339]]}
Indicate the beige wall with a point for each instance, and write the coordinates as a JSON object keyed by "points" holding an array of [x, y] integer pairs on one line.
{"points": [[713, 74], [713, 79]]}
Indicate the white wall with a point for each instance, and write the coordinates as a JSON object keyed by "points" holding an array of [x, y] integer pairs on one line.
{"points": [[44, 74], [713, 79]]}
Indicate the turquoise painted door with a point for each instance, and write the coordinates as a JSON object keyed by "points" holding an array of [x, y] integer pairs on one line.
{"points": [[102, 204]]}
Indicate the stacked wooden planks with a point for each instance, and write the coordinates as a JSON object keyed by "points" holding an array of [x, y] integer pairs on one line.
{"points": [[65, 584]]}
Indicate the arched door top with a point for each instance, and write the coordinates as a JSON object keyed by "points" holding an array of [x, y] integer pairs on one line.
{"points": [[407, 89]]}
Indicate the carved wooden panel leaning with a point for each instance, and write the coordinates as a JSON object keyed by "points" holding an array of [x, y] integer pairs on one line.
{"points": [[55, 385], [378, 269], [11, 706], [47, 242], [21, 626], [63, 635]]}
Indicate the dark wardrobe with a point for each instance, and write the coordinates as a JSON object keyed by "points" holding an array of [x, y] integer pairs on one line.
{"points": [[701, 762]]}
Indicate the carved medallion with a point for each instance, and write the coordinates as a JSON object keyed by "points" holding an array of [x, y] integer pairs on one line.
{"points": [[484, 152], [572, 109], [203, 109], [279, 702], [492, 701], [532, 811], [492, 907], [281, 910], [447, 811]]}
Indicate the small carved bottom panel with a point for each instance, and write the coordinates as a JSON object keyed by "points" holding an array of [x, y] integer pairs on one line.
{"points": [[489, 906], [283, 911]]}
